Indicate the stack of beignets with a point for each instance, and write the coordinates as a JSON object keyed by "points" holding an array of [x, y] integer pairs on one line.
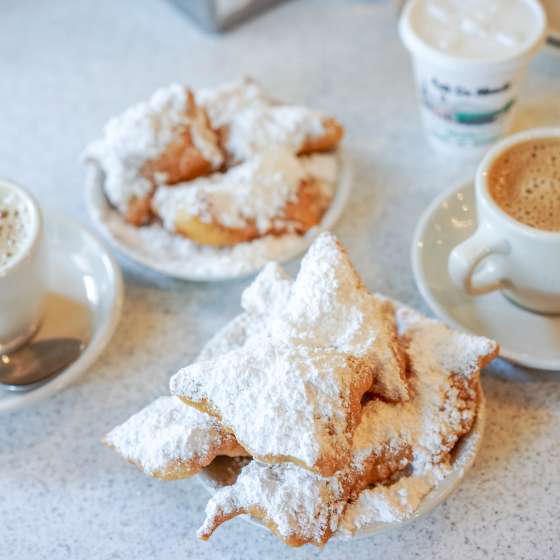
{"points": [[222, 166], [330, 389]]}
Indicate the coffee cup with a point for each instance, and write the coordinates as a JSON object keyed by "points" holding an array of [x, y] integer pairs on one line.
{"points": [[22, 274], [516, 247], [469, 61]]}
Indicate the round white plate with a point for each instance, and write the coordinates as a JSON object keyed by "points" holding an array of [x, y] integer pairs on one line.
{"points": [[85, 294], [164, 252], [224, 470], [525, 338]]}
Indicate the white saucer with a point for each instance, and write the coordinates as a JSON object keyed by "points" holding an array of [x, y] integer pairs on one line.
{"points": [[164, 252], [525, 338], [224, 470], [85, 294]]}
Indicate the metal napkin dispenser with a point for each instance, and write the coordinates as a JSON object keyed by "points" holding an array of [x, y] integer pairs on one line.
{"points": [[220, 15]]}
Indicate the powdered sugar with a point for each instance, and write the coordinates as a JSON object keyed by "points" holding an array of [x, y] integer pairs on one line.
{"points": [[322, 167], [166, 434], [258, 127], [328, 305], [142, 152], [264, 389], [456, 352], [252, 121], [175, 255], [144, 130], [442, 408], [387, 504], [253, 192], [223, 102], [142, 133], [429, 425], [297, 504], [268, 293]]}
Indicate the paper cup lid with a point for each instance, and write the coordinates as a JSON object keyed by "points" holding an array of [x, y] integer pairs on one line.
{"points": [[422, 49]]}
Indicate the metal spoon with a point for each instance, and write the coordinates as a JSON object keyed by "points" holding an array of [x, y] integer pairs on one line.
{"points": [[33, 364]]}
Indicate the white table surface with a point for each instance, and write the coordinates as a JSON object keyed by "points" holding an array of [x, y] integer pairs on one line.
{"points": [[67, 66]]}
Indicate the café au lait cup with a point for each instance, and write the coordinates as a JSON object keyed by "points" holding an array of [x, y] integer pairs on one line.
{"points": [[22, 274], [505, 254]]}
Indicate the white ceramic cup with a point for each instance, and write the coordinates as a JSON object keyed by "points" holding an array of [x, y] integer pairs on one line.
{"points": [[504, 254], [22, 278], [466, 104]]}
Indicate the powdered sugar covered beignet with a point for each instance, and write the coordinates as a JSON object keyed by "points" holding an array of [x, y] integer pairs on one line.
{"points": [[248, 121], [170, 440], [445, 369], [302, 507], [305, 131], [387, 504], [298, 506], [328, 305], [445, 375], [284, 402], [164, 140], [222, 103], [272, 193]]}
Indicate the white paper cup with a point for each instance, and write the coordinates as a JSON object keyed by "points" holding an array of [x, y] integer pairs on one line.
{"points": [[22, 279], [467, 104]]}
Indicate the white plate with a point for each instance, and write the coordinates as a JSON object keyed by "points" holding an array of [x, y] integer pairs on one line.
{"points": [[204, 264], [223, 470], [525, 338], [85, 294]]}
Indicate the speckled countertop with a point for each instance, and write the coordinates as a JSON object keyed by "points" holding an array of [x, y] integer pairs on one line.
{"points": [[69, 65]]}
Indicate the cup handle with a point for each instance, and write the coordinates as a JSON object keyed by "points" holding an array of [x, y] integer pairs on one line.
{"points": [[465, 258]]}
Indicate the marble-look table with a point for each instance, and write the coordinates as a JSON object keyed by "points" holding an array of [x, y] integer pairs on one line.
{"points": [[69, 65]]}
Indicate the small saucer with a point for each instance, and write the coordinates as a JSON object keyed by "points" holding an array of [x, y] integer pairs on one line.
{"points": [[84, 300], [525, 338]]}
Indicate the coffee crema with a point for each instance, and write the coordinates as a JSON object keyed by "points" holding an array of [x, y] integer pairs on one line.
{"points": [[14, 227], [524, 181]]}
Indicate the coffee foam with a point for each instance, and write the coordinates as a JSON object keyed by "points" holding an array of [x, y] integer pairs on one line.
{"points": [[525, 183], [15, 221]]}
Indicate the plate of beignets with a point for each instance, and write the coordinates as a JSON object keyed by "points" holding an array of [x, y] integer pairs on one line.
{"points": [[213, 184], [322, 410]]}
